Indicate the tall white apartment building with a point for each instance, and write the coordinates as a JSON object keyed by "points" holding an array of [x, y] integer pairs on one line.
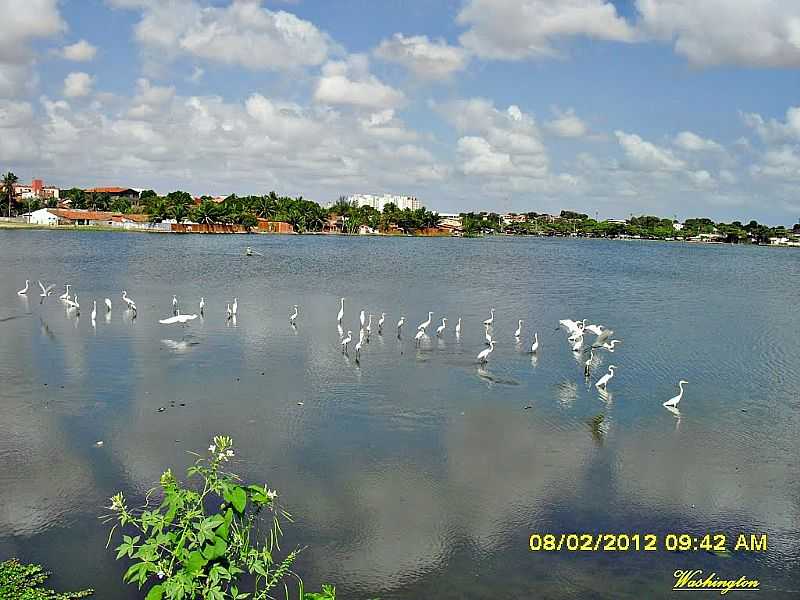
{"points": [[378, 202]]}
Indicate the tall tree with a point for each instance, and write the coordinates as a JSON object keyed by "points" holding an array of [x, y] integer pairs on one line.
{"points": [[9, 179]]}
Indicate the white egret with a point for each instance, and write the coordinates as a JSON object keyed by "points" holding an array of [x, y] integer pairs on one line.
{"points": [[346, 340], [400, 325], [46, 291], [24, 290], [419, 336], [573, 327], [518, 332], [358, 349], [483, 355], [607, 333], [340, 330], [608, 345], [595, 329], [235, 307], [128, 301], [587, 365], [179, 318], [440, 329], [65, 295], [380, 322], [424, 324], [174, 304], [362, 318], [458, 327], [202, 305], [108, 304], [488, 336], [341, 313], [73, 303], [94, 310], [488, 322], [602, 383], [228, 311], [673, 402], [369, 327], [293, 316], [577, 343], [535, 345]]}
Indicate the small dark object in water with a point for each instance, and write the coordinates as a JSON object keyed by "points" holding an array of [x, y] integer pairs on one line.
{"points": [[262, 372], [248, 251], [162, 408], [527, 407], [45, 384], [182, 404], [237, 379]]}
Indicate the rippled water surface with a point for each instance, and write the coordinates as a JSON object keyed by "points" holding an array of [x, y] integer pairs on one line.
{"points": [[413, 474]]}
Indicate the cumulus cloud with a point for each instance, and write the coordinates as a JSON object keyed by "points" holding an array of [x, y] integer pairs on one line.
{"points": [[242, 33], [567, 124], [425, 58], [641, 154], [753, 33], [779, 163], [519, 29], [81, 51], [22, 22], [772, 130], [350, 83], [78, 84], [499, 142], [691, 142]]}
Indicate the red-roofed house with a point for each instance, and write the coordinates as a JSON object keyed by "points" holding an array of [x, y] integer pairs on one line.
{"points": [[35, 189], [114, 192]]}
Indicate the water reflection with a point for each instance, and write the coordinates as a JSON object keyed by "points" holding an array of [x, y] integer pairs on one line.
{"points": [[417, 467]]}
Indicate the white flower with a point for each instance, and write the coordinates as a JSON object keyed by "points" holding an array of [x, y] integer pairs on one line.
{"points": [[212, 448], [272, 494], [222, 456], [229, 452], [160, 574]]}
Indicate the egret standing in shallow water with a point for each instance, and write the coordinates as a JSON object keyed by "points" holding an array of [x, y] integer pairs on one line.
{"points": [[174, 304], [458, 328], [24, 290], [488, 322], [400, 326], [202, 306], [358, 346], [440, 329], [129, 301], [518, 332], [608, 345], [535, 345], [94, 310], [369, 327], [380, 323], [293, 316], [419, 336], [673, 402], [488, 336], [346, 340], [362, 318], [587, 366], [65, 295], [602, 383], [235, 307], [341, 313], [108, 304], [483, 355], [46, 291]]}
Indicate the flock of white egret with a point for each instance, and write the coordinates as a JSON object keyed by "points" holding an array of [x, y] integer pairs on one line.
{"points": [[575, 329]]}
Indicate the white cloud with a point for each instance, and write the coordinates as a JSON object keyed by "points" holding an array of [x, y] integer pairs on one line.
{"points": [[242, 33], [351, 83], [645, 155], [754, 33], [424, 58], [23, 21], [81, 51], [518, 29], [779, 163], [501, 142], [78, 84], [691, 142], [701, 178], [567, 124], [774, 131]]}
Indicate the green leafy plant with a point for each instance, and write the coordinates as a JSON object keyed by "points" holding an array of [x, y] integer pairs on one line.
{"points": [[217, 542], [328, 593], [24, 582]]}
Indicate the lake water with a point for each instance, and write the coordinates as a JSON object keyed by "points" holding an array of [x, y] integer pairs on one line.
{"points": [[413, 474]]}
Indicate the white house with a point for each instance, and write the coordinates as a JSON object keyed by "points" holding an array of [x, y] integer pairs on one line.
{"points": [[42, 217]]}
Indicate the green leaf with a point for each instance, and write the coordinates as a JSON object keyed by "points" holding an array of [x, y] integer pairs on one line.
{"points": [[238, 499], [195, 562], [156, 593]]}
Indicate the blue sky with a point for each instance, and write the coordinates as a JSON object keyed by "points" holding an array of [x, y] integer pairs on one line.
{"points": [[669, 107]]}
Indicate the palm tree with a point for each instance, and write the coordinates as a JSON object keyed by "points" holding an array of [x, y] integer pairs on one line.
{"points": [[206, 212], [9, 179], [157, 209]]}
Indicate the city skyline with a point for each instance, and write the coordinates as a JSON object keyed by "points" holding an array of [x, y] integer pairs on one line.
{"points": [[614, 108]]}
